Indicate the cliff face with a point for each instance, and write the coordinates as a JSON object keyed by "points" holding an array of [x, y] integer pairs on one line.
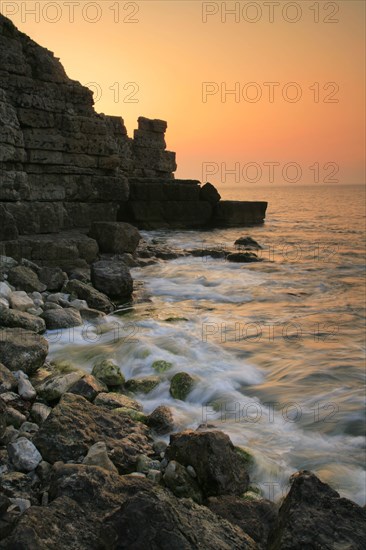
{"points": [[62, 165]]}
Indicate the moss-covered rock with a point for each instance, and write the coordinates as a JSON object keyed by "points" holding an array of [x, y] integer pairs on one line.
{"points": [[142, 385], [161, 365], [108, 372], [138, 416], [246, 457], [181, 385]]}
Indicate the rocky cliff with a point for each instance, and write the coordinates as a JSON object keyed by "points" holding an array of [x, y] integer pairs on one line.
{"points": [[63, 166]]}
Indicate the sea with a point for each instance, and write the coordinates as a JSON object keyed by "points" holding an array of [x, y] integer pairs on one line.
{"points": [[276, 347]]}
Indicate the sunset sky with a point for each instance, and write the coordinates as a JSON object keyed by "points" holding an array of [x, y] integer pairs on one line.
{"points": [[170, 50]]}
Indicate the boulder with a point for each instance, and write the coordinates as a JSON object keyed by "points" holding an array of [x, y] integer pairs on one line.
{"points": [[54, 387], [62, 318], [21, 301], [181, 483], [254, 517], [22, 350], [40, 412], [115, 237], [219, 467], [248, 243], [88, 387], [181, 385], [108, 373], [94, 298], [53, 277], [210, 194], [24, 278], [113, 400], [112, 278], [12, 318], [243, 257], [161, 420], [161, 366], [239, 213], [24, 455], [25, 388], [5, 289], [75, 424], [313, 515]]}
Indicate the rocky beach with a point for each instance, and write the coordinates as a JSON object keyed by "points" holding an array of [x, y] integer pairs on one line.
{"points": [[83, 465]]}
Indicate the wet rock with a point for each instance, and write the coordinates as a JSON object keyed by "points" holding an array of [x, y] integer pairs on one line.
{"points": [[92, 316], [161, 420], [181, 385], [24, 455], [112, 278], [115, 237], [75, 424], [256, 518], [178, 480], [54, 387], [8, 382], [134, 414], [22, 350], [313, 515], [21, 301], [53, 278], [24, 278], [247, 243], [142, 385], [219, 467], [79, 304], [88, 387], [116, 400], [209, 193], [40, 412], [62, 318], [161, 366], [243, 257], [94, 298], [25, 388], [108, 372], [145, 463], [98, 456], [12, 318]]}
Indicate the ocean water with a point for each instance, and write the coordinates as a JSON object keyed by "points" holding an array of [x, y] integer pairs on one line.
{"points": [[277, 347]]}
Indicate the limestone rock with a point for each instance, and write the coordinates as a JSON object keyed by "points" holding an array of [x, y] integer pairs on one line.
{"points": [[116, 400], [178, 480], [112, 278], [142, 385], [8, 382], [23, 278], [53, 278], [62, 318], [25, 388], [115, 237], [21, 301], [24, 455], [98, 456], [161, 420], [88, 387], [108, 372], [94, 298], [209, 193], [219, 468], [40, 412], [14, 318], [54, 387], [22, 350]]}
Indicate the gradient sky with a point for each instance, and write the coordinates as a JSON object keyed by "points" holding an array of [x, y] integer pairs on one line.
{"points": [[169, 52]]}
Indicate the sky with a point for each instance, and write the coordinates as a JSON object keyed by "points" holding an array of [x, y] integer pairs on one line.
{"points": [[255, 93]]}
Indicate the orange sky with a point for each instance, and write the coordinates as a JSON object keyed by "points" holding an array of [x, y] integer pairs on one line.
{"points": [[169, 53]]}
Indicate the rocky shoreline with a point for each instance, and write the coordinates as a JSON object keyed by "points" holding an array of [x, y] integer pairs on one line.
{"points": [[82, 466]]}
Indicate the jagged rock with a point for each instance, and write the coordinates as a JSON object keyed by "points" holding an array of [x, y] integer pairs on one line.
{"points": [[313, 515], [62, 318], [13, 318], [142, 385], [21, 301], [115, 237], [22, 350], [54, 387], [88, 387], [112, 278], [209, 193], [94, 298], [8, 382], [181, 385], [98, 456], [116, 400], [108, 372], [24, 455], [40, 412], [220, 469], [161, 420], [23, 278], [256, 518], [75, 424]]}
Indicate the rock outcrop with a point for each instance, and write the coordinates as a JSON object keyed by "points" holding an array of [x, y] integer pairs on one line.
{"points": [[63, 166]]}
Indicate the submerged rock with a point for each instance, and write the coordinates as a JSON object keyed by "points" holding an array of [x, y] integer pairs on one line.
{"points": [[142, 385], [161, 366], [181, 385], [219, 468], [108, 372], [247, 243], [243, 257], [313, 515]]}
